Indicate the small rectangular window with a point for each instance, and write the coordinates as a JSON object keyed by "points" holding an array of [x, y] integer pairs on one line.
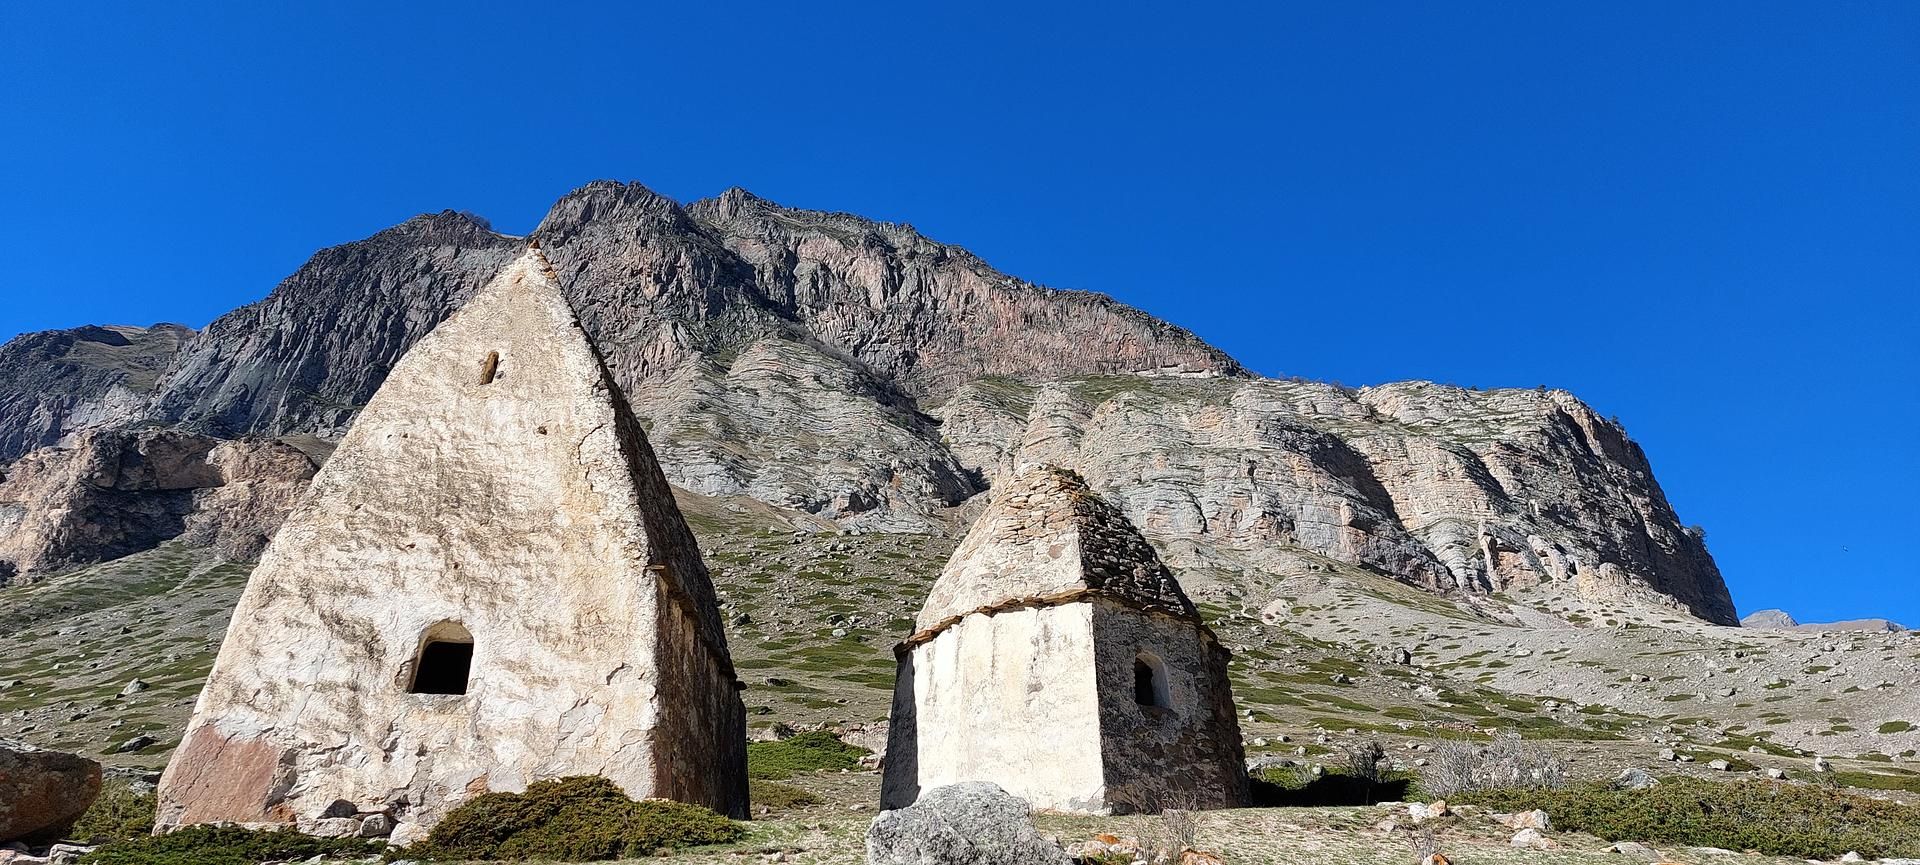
{"points": [[443, 668]]}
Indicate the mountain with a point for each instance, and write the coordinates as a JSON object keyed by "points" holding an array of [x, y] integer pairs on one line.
{"points": [[58, 381], [870, 378], [1780, 620]]}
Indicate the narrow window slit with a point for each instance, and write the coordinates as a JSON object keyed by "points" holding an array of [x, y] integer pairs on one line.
{"points": [[1150, 681]]}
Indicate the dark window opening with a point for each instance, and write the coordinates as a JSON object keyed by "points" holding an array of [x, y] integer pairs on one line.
{"points": [[443, 668], [1149, 681], [445, 661]]}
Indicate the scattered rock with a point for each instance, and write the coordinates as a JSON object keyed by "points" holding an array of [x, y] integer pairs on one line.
{"points": [[1535, 819], [1637, 852], [1635, 779], [1530, 839], [43, 792], [971, 823]]}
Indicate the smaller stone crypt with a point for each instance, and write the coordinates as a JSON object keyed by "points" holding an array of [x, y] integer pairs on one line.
{"points": [[488, 584], [1057, 657]]}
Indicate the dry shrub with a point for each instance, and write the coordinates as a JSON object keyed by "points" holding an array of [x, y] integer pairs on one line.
{"points": [[1506, 763]]}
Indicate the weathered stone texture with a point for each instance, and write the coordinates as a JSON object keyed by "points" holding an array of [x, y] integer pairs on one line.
{"points": [[526, 510], [120, 491], [788, 355], [974, 823], [1187, 755], [1441, 487], [42, 793], [1023, 667], [1009, 698], [59, 382]]}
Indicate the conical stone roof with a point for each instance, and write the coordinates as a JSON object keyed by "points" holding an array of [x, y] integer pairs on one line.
{"points": [[1048, 539]]}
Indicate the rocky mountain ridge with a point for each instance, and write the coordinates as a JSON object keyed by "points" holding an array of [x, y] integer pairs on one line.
{"points": [[876, 380]]}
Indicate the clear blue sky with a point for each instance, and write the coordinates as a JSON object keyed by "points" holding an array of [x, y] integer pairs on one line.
{"points": [[1702, 217]]}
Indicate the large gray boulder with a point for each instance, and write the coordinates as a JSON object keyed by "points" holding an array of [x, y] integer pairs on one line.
{"points": [[971, 823], [43, 792]]}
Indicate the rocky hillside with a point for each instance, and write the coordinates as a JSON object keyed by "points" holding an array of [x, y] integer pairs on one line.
{"points": [[58, 381], [874, 379]]}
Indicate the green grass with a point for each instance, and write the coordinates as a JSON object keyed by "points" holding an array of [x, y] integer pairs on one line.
{"points": [[582, 819], [224, 845], [806, 752], [1777, 819]]}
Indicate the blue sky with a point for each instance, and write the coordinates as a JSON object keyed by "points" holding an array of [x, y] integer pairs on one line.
{"points": [[1703, 218]]}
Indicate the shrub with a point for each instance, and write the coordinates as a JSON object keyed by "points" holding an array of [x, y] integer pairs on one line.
{"points": [[119, 814], [580, 819], [1507, 762], [1796, 820], [1298, 787], [779, 797], [807, 752], [224, 845], [1896, 727]]}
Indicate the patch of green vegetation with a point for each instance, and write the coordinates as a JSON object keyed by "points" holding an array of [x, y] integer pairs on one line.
{"points": [[806, 752], [776, 796], [582, 819], [118, 814], [1878, 781], [224, 845], [1781, 820], [1896, 727]]}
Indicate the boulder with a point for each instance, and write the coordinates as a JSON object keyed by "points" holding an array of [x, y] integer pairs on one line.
{"points": [[43, 792], [1637, 852], [1530, 839], [1535, 819], [971, 823]]}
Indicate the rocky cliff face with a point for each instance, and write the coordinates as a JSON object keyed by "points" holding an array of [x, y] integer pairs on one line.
{"points": [[865, 374], [1442, 487], [59, 381]]}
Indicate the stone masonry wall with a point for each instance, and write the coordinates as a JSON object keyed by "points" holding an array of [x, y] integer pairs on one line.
{"points": [[1187, 755]]}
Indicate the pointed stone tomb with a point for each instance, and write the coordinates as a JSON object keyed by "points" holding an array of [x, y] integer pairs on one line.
{"points": [[488, 584], [1057, 657]]}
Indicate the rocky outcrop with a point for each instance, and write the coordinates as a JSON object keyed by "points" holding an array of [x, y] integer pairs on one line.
{"points": [[59, 381], [1779, 620], [861, 372], [932, 316], [971, 823], [120, 491], [1442, 487], [42, 793], [306, 359]]}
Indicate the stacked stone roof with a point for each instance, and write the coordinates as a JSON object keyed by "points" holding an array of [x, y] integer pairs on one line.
{"points": [[1048, 539]]}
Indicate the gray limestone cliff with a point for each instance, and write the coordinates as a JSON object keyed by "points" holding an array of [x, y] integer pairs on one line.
{"points": [[57, 382], [863, 373]]}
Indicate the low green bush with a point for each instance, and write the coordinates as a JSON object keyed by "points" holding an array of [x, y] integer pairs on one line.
{"points": [[582, 819], [807, 752], [119, 814], [224, 845], [1798, 820], [779, 797]]}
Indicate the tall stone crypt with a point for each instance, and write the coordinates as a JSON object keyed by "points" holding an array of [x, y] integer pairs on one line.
{"points": [[1057, 656], [488, 584]]}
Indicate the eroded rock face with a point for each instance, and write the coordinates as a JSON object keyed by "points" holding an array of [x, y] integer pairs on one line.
{"points": [[42, 793], [58, 382], [796, 357], [1440, 487], [972, 823], [120, 491], [488, 584]]}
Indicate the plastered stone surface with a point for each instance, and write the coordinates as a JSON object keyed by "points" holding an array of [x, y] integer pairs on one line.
{"points": [[1023, 669], [528, 510]]}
